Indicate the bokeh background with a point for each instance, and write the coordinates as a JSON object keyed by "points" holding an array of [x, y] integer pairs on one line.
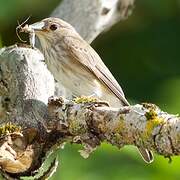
{"points": [[143, 53]]}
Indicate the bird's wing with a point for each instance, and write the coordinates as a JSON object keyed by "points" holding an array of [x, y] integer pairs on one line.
{"points": [[87, 56]]}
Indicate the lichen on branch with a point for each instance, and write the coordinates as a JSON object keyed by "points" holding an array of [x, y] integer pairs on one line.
{"points": [[143, 125]]}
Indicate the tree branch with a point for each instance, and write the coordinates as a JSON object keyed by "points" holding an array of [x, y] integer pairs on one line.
{"points": [[92, 17], [25, 85], [91, 123]]}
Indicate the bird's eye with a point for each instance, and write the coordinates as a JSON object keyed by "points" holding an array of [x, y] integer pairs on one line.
{"points": [[53, 27]]}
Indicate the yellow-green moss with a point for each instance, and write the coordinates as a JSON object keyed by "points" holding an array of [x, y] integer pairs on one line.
{"points": [[151, 114], [152, 121], [120, 125], [117, 137], [152, 118], [85, 99], [9, 128], [76, 127]]}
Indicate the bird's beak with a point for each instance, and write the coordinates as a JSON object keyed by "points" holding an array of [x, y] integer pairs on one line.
{"points": [[39, 26]]}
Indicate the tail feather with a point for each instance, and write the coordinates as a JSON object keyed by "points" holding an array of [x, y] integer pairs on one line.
{"points": [[146, 155]]}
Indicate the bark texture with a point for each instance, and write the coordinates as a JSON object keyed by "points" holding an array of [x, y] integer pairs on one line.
{"points": [[92, 17], [90, 123], [25, 86]]}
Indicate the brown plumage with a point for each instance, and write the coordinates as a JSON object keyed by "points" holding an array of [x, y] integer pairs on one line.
{"points": [[77, 66]]}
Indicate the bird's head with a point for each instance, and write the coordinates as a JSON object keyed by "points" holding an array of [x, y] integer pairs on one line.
{"points": [[50, 25], [50, 29]]}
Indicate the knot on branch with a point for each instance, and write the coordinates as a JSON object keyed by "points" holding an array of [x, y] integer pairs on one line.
{"points": [[77, 128]]}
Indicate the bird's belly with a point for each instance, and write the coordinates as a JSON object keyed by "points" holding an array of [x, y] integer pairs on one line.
{"points": [[79, 81], [78, 85]]}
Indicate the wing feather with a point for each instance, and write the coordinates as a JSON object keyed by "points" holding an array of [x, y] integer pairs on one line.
{"points": [[82, 52]]}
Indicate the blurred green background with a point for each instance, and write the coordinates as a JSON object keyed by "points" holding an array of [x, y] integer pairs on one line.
{"points": [[143, 53]]}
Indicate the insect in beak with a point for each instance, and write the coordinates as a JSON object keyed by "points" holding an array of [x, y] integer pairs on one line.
{"points": [[19, 27], [31, 29], [28, 29]]}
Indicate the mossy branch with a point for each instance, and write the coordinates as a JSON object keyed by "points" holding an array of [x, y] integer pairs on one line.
{"points": [[142, 125]]}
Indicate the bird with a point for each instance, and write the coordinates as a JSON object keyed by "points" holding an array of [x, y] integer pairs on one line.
{"points": [[77, 66]]}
